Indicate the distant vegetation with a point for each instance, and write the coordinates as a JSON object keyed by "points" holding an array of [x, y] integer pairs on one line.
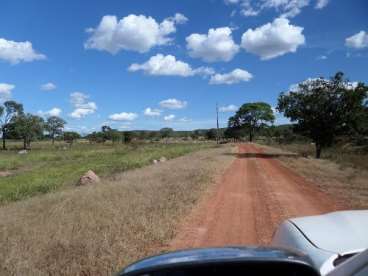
{"points": [[15, 124]]}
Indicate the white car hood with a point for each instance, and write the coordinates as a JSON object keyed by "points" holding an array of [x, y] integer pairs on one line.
{"points": [[338, 232]]}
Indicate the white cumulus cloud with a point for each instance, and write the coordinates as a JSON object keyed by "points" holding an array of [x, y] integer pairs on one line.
{"points": [[170, 117], [232, 1], [160, 65], [273, 39], [228, 108], [82, 107], [289, 8], [173, 104], [134, 32], [78, 98], [249, 11], [152, 112], [6, 91], [217, 45], [16, 52], [179, 18], [321, 4], [48, 86], [123, 116], [52, 112], [321, 57], [185, 120], [357, 41], [286, 8], [235, 76]]}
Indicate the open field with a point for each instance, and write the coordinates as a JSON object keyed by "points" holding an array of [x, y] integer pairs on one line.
{"points": [[342, 154], [343, 177], [46, 168], [97, 229]]}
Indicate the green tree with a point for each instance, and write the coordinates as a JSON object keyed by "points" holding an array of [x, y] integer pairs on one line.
{"points": [[106, 128], [106, 133], [166, 132], [70, 136], [115, 136], [54, 125], [28, 127], [195, 134], [152, 135], [252, 117], [8, 111], [235, 133], [323, 109], [211, 134], [362, 126], [91, 137], [127, 137]]}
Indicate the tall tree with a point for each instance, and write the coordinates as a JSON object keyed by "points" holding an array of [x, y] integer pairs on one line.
{"points": [[28, 127], [166, 132], [70, 136], [8, 111], [106, 133], [54, 125], [252, 117], [106, 128], [324, 108]]}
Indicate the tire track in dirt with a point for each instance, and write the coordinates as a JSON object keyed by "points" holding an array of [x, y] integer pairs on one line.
{"points": [[267, 207], [254, 195]]}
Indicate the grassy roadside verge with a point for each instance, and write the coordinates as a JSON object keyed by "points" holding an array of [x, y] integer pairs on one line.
{"points": [[50, 168], [345, 155], [342, 180], [98, 229]]}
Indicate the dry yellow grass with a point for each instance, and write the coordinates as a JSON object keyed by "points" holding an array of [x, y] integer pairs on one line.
{"points": [[96, 230], [346, 183]]}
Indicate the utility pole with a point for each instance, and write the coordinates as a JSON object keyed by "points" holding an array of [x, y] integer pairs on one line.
{"points": [[218, 129]]}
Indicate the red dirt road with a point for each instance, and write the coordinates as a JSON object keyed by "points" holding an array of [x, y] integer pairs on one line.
{"points": [[255, 194]]}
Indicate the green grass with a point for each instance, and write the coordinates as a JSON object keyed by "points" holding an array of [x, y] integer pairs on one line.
{"points": [[47, 168]]}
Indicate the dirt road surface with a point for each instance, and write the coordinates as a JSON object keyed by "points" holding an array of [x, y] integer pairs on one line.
{"points": [[255, 194]]}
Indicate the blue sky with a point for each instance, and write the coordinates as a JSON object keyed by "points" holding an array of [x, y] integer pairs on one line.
{"points": [[143, 64]]}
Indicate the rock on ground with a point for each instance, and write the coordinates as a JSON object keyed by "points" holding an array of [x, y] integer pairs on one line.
{"points": [[5, 173], [88, 178]]}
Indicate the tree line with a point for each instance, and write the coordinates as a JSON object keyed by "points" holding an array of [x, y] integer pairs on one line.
{"points": [[109, 134], [16, 124], [319, 109]]}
